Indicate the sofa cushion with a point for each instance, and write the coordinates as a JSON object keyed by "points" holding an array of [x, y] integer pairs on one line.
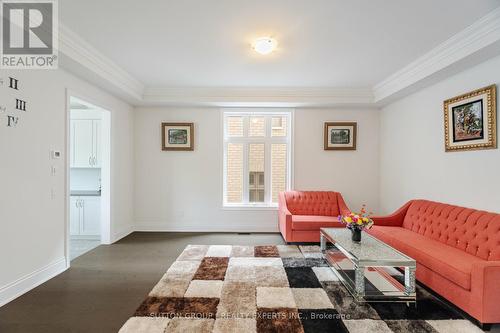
{"points": [[314, 222], [472, 231], [449, 262], [312, 203]]}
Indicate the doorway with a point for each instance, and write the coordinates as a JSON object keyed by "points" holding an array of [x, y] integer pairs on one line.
{"points": [[88, 177]]}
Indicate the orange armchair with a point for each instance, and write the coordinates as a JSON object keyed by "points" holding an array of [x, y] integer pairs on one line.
{"points": [[302, 213]]}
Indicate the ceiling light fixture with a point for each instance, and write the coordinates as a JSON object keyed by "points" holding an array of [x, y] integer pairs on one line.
{"points": [[265, 45]]}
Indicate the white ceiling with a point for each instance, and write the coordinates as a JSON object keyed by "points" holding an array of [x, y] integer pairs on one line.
{"points": [[322, 43]]}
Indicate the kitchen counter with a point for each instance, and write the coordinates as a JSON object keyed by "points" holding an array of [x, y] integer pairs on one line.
{"points": [[79, 193]]}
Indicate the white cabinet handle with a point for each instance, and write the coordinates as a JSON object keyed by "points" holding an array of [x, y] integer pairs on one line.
{"points": [[90, 160]]}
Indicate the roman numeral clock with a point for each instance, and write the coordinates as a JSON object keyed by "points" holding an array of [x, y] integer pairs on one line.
{"points": [[12, 108]]}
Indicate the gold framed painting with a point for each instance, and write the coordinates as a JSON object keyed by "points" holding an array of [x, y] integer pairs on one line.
{"points": [[340, 135], [177, 136], [470, 120]]}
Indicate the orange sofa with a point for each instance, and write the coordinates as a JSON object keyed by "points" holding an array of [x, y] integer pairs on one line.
{"points": [[457, 252], [303, 213]]}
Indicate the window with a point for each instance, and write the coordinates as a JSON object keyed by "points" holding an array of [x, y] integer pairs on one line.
{"points": [[277, 123], [257, 155], [256, 186]]}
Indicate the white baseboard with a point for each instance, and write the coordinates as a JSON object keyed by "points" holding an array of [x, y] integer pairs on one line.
{"points": [[166, 227], [123, 233], [24, 284]]}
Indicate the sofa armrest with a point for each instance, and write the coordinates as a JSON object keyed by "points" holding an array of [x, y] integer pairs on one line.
{"points": [[485, 289], [393, 220], [284, 218], [282, 207], [343, 209]]}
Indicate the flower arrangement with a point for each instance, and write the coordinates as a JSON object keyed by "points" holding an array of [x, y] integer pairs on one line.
{"points": [[357, 222]]}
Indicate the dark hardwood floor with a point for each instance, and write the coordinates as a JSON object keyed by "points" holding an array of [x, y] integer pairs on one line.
{"points": [[103, 287]]}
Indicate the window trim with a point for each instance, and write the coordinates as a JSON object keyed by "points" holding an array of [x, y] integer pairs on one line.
{"points": [[277, 127], [268, 140]]}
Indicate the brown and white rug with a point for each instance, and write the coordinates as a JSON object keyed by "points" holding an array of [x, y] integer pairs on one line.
{"points": [[283, 288]]}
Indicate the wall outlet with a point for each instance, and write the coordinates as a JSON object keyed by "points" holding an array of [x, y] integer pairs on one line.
{"points": [[55, 154]]}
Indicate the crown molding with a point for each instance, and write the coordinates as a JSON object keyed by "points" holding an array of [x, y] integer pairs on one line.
{"points": [[478, 36], [90, 64], [248, 96], [82, 53], [474, 44]]}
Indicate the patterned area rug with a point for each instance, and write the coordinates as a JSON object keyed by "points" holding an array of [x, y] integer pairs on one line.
{"points": [[284, 288]]}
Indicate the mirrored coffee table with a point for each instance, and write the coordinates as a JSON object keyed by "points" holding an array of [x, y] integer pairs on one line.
{"points": [[372, 271]]}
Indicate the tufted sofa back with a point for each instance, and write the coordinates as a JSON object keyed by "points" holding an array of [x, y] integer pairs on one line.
{"points": [[473, 231], [312, 203]]}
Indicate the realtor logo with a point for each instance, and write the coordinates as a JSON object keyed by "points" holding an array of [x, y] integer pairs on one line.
{"points": [[29, 34]]}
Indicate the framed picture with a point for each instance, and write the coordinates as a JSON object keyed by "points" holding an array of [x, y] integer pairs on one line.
{"points": [[340, 135], [470, 120], [177, 136]]}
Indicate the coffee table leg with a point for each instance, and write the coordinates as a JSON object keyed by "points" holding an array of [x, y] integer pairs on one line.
{"points": [[409, 280], [322, 242], [359, 280]]}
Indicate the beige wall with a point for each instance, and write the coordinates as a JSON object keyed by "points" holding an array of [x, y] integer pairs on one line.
{"points": [[183, 190], [413, 161], [32, 201], [354, 173]]}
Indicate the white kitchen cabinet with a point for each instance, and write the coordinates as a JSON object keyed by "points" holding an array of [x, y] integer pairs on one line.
{"points": [[97, 143], [85, 143], [85, 216], [90, 222], [74, 216]]}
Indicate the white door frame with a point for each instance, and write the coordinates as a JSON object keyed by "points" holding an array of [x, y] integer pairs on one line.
{"points": [[105, 170]]}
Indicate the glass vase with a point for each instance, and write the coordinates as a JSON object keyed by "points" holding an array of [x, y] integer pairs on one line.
{"points": [[356, 235]]}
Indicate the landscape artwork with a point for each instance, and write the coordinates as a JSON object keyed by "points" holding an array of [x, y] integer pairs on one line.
{"points": [[177, 136], [340, 135]]}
